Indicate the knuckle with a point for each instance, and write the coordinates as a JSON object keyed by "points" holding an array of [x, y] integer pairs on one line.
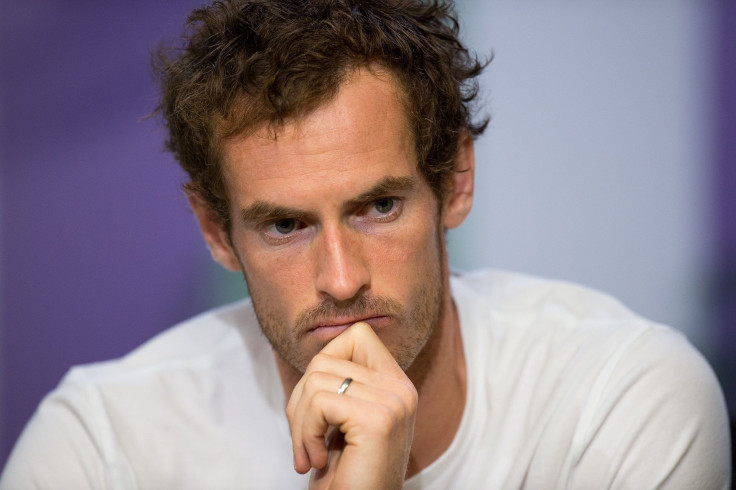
{"points": [[320, 398], [395, 404], [407, 394], [313, 378], [290, 408], [314, 383], [384, 417], [410, 395], [403, 407], [318, 363]]}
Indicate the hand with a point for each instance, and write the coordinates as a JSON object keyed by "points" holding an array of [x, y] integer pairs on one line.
{"points": [[369, 428]]}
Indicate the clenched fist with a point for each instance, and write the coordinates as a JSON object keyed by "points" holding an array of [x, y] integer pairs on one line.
{"points": [[362, 438]]}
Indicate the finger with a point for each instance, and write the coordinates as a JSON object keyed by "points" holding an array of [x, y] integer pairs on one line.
{"points": [[341, 368], [311, 383], [322, 478], [360, 344], [357, 353], [330, 409], [309, 447]]}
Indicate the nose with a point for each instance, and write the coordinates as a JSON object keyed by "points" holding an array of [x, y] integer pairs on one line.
{"points": [[342, 272]]}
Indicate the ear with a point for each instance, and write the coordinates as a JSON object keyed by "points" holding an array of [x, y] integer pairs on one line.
{"points": [[217, 240], [459, 198]]}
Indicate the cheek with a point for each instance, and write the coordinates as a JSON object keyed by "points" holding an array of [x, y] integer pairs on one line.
{"points": [[412, 248], [276, 279], [276, 274]]}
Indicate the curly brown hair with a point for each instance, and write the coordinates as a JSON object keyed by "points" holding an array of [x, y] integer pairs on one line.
{"points": [[246, 63]]}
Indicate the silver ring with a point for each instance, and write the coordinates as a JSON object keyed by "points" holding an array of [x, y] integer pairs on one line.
{"points": [[344, 386]]}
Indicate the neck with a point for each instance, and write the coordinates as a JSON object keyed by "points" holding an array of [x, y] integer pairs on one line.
{"points": [[439, 375], [441, 394]]}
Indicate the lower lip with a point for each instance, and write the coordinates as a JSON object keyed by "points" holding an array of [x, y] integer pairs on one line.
{"points": [[329, 332]]}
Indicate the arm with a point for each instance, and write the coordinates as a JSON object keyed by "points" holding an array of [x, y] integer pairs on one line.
{"points": [[374, 417], [57, 449], [660, 423]]}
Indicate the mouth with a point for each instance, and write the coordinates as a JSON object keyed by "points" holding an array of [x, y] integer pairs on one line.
{"points": [[326, 330]]}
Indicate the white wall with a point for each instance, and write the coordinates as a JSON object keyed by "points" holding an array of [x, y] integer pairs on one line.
{"points": [[594, 168]]}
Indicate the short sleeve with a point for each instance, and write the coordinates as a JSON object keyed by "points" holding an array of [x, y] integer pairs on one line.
{"points": [[660, 422], [63, 445]]}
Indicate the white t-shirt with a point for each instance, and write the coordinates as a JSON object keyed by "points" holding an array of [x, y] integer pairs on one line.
{"points": [[566, 389]]}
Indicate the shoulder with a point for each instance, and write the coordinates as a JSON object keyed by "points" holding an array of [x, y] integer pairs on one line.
{"points": [[515, 293], [516, 314], [219, 350], [199, 339], [605, 389], [654, 414], [99, 426]]}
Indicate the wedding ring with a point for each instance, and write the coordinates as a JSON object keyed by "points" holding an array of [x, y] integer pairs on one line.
{"points": [[344, 386]]}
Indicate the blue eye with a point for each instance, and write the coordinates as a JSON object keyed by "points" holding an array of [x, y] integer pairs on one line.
{"points": [[383, 209], [384, 205], [282, 230], [284, 226]]}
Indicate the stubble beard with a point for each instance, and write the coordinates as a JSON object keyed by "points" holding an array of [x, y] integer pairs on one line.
{"points": [[414, 329]]}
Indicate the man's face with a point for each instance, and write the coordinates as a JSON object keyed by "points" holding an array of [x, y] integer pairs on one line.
{"points": [[332, 223]]}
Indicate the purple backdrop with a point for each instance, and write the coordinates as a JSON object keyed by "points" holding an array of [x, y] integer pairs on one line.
{"points": [[724, 204], [98, 249]]}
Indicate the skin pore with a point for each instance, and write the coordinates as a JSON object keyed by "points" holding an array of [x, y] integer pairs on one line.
{"points": [[333, 224]]}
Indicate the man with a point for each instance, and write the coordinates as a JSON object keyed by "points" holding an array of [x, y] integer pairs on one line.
{"points": [[329, 145]]}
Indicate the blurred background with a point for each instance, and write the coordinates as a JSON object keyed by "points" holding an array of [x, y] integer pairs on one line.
{"points": [[610, 161]]}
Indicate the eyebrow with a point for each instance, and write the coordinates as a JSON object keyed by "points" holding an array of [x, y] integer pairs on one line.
{"points": [[384, 187], [263, 210]]}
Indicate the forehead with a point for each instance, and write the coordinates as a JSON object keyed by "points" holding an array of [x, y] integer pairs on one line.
{"points": [[361, 135]]}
